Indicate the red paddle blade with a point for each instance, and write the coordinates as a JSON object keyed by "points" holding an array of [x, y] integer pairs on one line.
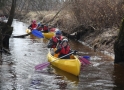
{"points": [[84, 61], [41, 66]]}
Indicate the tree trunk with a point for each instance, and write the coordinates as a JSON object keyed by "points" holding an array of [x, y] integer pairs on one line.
{"points": [[119, 45], [12, 12], [7, 29], [1, 45]]}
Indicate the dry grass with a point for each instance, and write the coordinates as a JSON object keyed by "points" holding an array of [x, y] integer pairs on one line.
{"points": [[97, 13]]}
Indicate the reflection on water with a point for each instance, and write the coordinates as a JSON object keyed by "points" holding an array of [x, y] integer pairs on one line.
{"points": [[118, 75], [66, 75], [17, 71]]}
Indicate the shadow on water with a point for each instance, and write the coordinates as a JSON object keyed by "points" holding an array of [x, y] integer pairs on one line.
{"points": [[118, 76], [66, 75], [17, 71]]}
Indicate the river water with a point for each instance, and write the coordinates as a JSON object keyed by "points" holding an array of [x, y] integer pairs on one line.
{"points": [[17, 71]]}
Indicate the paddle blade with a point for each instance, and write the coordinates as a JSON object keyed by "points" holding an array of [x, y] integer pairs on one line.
{"points": [[37, 33], [84, 61], [41, 66]]}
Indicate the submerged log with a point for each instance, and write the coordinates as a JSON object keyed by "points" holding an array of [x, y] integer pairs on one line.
{"points": [[119, 45]]}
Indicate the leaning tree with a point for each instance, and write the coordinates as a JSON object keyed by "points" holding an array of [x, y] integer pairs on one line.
{"points": [[6, 29], [119, 45]]}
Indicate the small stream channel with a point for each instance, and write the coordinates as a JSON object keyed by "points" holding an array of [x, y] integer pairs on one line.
{"points": [[17, 71]]}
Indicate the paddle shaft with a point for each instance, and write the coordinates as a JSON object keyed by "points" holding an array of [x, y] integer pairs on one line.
{"points": [[62, 57]]}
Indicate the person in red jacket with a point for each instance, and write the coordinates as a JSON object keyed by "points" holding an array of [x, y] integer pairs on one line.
{"points": [[51, 28], [63, 49], [55, 40], [33, 25], [45, 28], [40, 26]]}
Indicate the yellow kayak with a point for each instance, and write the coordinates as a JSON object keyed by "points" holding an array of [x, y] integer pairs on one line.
{"points": [[49, 35], [31, 35], [69, 65], [28, 30], [46, 35]]}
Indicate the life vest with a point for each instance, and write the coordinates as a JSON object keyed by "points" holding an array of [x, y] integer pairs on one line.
{"points": [[54, 38], [55, 41], [34, 25], [52, 29], [45, 28], [65, 50]]}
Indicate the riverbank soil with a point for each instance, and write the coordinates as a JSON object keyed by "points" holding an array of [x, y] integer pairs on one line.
{"points": [[101, 40]]}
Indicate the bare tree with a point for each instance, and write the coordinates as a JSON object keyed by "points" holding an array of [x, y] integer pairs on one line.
{"points": [[97, 13], [12, 12]]}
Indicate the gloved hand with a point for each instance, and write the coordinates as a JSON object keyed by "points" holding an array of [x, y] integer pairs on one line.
{"points": [[59, 41], [75, 52], [29, 28]]}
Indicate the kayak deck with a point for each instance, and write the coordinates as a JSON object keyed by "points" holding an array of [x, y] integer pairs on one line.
{"points": [[69, 65], [46, 35], [49, 35]]}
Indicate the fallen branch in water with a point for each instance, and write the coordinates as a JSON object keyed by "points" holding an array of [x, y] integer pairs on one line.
{"points": [[21, 36]]}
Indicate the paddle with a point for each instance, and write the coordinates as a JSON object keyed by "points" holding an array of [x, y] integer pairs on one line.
{"points": [[84, 61], [41, 66], [37, 33]]}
